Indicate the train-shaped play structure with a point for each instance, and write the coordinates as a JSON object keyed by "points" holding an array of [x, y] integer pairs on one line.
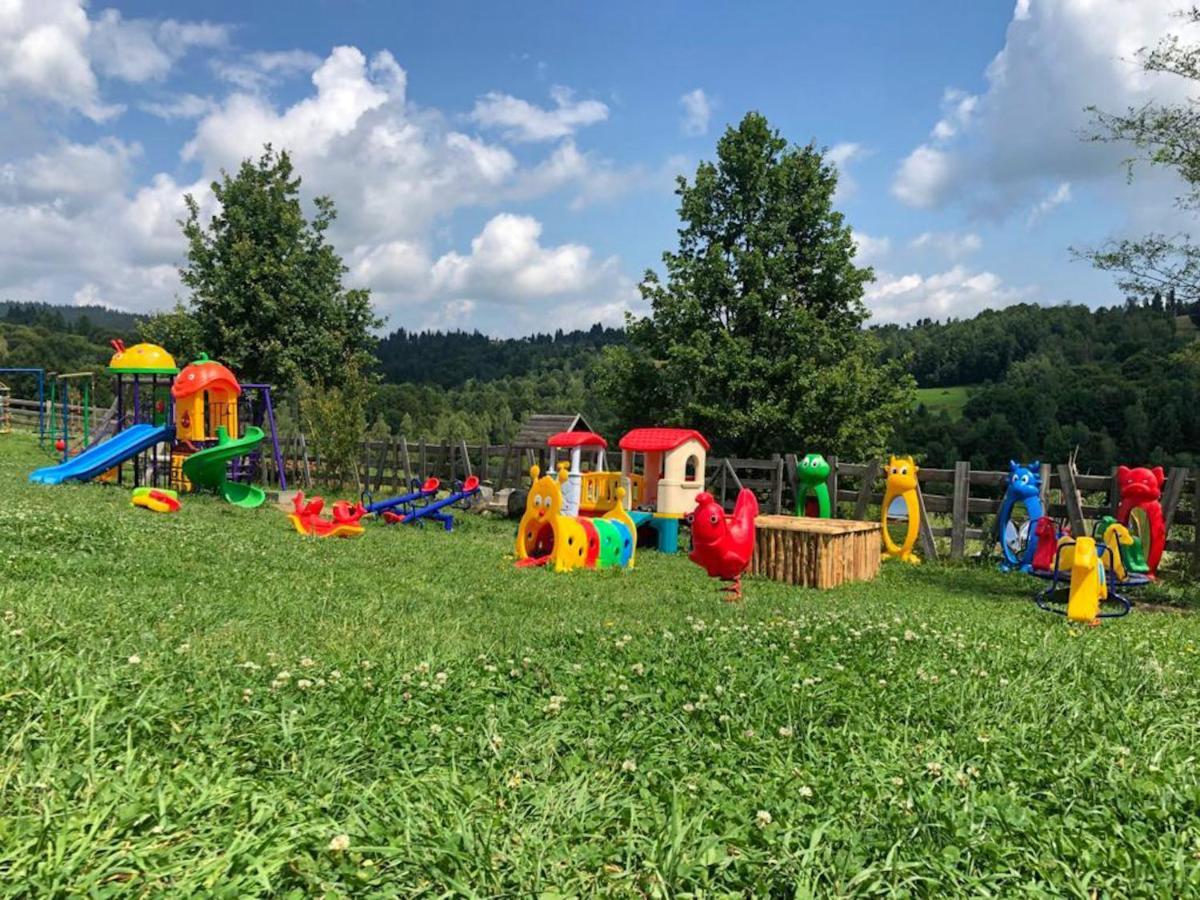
{"points": [[583, 515]]}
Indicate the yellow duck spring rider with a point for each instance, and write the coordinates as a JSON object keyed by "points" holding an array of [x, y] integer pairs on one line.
{"points": [[902, 485], [547, 536]]}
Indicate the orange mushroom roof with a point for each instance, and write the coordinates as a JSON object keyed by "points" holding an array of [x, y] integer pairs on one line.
{"points": [[204, 375], [649, 440]]}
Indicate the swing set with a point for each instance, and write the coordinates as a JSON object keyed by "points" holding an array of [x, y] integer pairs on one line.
{"points": [[70, 430]]}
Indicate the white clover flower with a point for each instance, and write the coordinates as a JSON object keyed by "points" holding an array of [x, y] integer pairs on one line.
{"points": [[304, 684], [134, 660], [762, 818], [629, 766], [339, 843], [785, 731], [805, 791]]}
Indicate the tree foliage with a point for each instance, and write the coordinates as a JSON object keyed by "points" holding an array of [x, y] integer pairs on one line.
{"points": [[755, 337], [266, 284], [1165, 135]]}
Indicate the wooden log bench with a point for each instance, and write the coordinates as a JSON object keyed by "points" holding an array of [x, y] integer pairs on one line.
{"points": [[820, 553]]}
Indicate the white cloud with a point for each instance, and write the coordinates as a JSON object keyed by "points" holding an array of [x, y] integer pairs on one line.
{"points": [[951, 244], [924, 177], [520, 120], [256, 72], [697, 112], [1056, 198], [75, 225], [52, 52], [43, 56], [139, 50], [841, 156], [508, 277], [999, 150], [868, 249], [183, 106], [958, 292]]}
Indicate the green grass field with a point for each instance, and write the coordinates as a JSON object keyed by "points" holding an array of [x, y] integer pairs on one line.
{"points": [[209, 704], [949, 400]]}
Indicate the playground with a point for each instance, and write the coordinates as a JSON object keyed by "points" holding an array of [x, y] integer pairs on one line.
{"points": [[408, 712]]}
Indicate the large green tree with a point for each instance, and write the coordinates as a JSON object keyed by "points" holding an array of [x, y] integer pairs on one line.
{"points": [[266, 285], [1165, 135], [755, 337]]}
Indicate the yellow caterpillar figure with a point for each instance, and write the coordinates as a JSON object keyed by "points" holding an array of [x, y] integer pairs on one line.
{"points": [[902, 482]]}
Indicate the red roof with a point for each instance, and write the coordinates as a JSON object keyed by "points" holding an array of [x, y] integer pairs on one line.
{"points": [[203, 375], [649, 440], [576, 439]]}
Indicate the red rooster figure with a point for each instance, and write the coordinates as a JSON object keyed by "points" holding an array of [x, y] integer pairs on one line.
{"points": [[722, 544]]}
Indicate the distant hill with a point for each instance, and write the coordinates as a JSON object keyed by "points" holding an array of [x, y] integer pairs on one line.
{"points": [[88, 320], [451, 358]]}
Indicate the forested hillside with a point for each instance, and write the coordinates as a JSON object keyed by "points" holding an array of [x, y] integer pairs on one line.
{"points": [[451, 358], [1122, 384]]}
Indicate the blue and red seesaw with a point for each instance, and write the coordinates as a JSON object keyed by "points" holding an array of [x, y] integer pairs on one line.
{"points": [[417, 506]]}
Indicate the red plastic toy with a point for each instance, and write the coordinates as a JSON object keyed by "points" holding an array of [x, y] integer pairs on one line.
{"points": [[1142, 489], [307, 517], [1047, 545], [722, 544]]}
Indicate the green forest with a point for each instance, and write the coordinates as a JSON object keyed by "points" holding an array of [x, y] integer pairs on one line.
{"points": [[1120, 383]]}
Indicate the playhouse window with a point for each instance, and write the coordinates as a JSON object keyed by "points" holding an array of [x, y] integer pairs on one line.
{"points": [[691, 469]]}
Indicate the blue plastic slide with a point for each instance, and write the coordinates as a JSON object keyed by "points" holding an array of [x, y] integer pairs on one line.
{"points": [[101, 457]]}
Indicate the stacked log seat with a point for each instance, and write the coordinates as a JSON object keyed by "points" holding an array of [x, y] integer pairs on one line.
{"points": [[820, 553]]}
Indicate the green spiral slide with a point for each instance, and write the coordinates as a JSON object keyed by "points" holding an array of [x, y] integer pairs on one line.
{"points": [[210, 468]]}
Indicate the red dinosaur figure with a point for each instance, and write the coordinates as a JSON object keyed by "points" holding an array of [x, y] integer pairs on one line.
{"points": [[1142, 489], [722, 544]]}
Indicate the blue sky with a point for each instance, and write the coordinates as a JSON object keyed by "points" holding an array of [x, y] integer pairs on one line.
{"points": [[510, 166]]}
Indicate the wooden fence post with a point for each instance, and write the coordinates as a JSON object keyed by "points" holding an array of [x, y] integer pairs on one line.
{"points": [[466, 458], [777, 485], [1196, 523], [1172, 491], [407, 462], [962, 497], [789, 471], [307, 469], [424, 456], [925, 531], [832, 483], [870, 473], [1074, 503], [722, 484]]}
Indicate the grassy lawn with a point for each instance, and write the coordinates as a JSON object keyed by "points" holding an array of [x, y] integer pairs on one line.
{"points": [[207, 703], [949, 400]]}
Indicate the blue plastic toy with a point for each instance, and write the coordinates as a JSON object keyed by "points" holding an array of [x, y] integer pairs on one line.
{"points": [[414, 512], [420, 491], [1024, 487]]}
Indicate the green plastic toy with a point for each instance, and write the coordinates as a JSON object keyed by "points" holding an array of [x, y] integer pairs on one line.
{"points": [[208, 468], [813, 473], [1133, 556]]}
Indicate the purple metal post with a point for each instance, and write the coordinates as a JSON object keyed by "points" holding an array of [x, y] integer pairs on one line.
{"points": [[265, 390]]}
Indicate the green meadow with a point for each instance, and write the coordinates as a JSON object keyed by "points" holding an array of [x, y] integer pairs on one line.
{"points": [[207, 703]]}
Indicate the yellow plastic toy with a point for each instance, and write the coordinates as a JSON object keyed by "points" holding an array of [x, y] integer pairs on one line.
{"points": [[1088, 585], [902, 483], [546, 536], [155, 499]]}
